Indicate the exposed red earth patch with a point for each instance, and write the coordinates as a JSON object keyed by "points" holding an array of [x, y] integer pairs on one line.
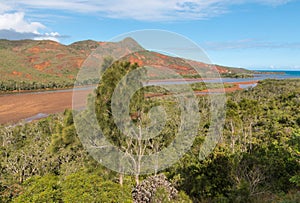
{"points": [[33, 59], [16, 73], [245, 82], [79, 62], [102, 43], [60, 56], [155, 95], [28, 76], [42, 66], [34, 50], [228, 89]]}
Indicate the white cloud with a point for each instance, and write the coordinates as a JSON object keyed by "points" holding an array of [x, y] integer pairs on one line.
{"points": [[54, 36], [14, 26], [4, 7], [151, 10], [16, 21], [14, 35], [13, 19]]}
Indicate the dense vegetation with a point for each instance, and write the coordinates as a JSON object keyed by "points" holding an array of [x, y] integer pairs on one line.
{"points": [[257, 159], [12, 85]]}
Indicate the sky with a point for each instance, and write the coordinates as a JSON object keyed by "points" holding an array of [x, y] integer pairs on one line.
{"points": [[254, 34]]}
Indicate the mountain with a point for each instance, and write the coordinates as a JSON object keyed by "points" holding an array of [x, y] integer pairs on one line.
{"points": [[181, 66], [51, 62]]}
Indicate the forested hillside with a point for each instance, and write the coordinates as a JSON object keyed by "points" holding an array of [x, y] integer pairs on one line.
{"points": [[257, 159]]}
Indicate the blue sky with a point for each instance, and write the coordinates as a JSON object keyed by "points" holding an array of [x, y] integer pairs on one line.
{"points": [[256, 34]]}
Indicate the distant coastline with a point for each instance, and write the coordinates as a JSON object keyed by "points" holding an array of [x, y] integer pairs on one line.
{"points": [[270, 72], [282, 72]]}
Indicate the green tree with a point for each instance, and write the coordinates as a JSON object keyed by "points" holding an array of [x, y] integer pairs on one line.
{"points": [[41, 189]]}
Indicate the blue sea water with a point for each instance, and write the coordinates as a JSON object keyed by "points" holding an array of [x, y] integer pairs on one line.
{"points": [[267, 74], [264, 74]]}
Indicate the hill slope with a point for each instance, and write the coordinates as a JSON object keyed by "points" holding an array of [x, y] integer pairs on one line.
{"points": [[50, 63]]}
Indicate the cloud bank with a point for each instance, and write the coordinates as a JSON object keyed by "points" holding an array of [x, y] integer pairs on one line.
{"points": [[14, 26], [14, 23], [151, 10], [14, 35]]}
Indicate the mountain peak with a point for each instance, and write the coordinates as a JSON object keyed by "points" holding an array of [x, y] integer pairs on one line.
{"points": [[132, 44]]}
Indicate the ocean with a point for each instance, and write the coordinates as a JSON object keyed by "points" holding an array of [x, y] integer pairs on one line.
{"points": [[257, 77]]}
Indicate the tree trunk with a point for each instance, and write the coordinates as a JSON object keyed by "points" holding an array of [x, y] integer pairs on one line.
{"points": [[137, 180], [232, 138], [121, 179]]}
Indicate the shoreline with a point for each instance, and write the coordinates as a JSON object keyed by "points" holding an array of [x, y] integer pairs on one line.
{"points": [[19, 107]]}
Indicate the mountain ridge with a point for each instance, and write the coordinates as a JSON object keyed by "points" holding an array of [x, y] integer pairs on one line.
{"points": [[47, 61]]}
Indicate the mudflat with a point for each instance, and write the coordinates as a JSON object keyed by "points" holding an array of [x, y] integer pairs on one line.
{"points": [[16, 107]]}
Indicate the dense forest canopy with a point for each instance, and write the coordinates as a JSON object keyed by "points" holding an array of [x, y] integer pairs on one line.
{"points": [[256, 160]]}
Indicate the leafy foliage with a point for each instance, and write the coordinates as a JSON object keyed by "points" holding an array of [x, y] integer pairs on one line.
{"points": [[257, 159]]}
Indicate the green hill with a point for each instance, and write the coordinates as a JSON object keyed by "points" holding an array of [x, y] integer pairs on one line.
{"points": [[30, 64]]}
